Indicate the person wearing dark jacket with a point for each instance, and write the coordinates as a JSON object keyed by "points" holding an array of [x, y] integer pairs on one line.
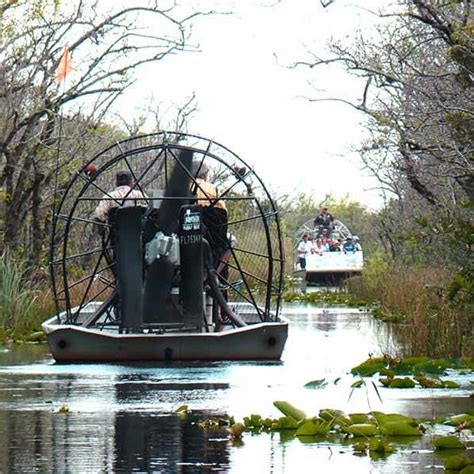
{"points": [[324, 223]]}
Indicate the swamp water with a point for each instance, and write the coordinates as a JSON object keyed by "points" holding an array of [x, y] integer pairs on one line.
{"points": [[121, 418]]}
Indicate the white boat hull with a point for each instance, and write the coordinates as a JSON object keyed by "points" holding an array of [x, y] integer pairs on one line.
{"points": [[335, 262]]}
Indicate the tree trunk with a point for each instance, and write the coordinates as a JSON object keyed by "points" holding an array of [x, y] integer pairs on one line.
{"points": [[12, 223], [36, 215]]}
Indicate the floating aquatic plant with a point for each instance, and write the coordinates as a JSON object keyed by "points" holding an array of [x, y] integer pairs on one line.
{"points": [[459, 462], [370, 367], [360, 447], [448, 442], [380, 446], [334, 417], [360, 418], [410, 366], [313, 427], [285, 423], [321, 383], [397, 382], [369, 433], [400, 428], [361, 429], [289, 410], [236, 430]]}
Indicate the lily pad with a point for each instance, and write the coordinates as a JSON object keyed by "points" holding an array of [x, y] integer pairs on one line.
{"points": [[360, 447], [316, 384], [253, 421], [313, 427], [361, 429], [448, 442], [405, 382], [457, 462], [236, 430], [450, 384], [428, 382], [456, 420], [381, 446], [334, 417], [289, 410], [360, 418], [400, 428], [285, 423], [369, 367]]}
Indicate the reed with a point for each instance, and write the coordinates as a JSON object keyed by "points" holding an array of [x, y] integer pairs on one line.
{"points": [[17, 299], [416, 299]]}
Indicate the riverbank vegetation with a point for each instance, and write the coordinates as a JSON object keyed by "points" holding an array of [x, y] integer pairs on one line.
{"points": [[416, 69]]}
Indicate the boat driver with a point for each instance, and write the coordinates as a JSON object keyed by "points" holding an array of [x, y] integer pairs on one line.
{"points": [[324, 223], [122, 195]]}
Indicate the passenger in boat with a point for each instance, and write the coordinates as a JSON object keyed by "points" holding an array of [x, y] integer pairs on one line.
{"points": [[318, 247], [205, 192], [124, 194], [324, 223], [325, 243], [304, 249], [357, 243], [214, 218], [335, 245], [349, 246]]}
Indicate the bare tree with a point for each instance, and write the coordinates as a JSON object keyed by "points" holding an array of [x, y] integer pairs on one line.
{"points": [[418, 98], [107, 47]]}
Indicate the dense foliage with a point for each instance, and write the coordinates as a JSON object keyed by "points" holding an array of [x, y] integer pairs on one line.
{"points": [[417, 66]]}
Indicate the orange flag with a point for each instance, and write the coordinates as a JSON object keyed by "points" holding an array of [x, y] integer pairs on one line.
{"points": [[64, 66]]}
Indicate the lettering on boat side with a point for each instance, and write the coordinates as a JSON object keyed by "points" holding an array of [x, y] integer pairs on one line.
{"points": [[190, 239]]}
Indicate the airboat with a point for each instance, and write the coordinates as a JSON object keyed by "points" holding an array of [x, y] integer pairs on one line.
{"points": [[328, 267], [168, 278]]}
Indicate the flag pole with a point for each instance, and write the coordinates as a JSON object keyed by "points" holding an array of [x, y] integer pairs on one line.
{"points": [[60, 75]]}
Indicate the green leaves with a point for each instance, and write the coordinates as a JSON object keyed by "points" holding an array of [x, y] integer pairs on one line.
{"points": [[313, 427], [321, 383], [289, 410], [448, 442]]}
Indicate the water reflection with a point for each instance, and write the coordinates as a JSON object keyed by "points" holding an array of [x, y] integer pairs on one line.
{"points": [[165, 444], [115, 418]]}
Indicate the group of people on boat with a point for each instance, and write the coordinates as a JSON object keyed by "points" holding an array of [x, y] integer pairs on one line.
{"points": [[323, 240]]}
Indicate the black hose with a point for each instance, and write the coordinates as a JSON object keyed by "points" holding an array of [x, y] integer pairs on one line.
{"points": [[214, 284], [213, 280]]}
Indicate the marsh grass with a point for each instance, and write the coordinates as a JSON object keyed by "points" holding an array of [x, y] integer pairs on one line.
{"points": [[26, 301], [17, 298], [431, 324]]}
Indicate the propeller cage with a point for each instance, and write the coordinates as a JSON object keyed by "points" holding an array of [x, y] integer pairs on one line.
{"points": [[146, 268]]}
